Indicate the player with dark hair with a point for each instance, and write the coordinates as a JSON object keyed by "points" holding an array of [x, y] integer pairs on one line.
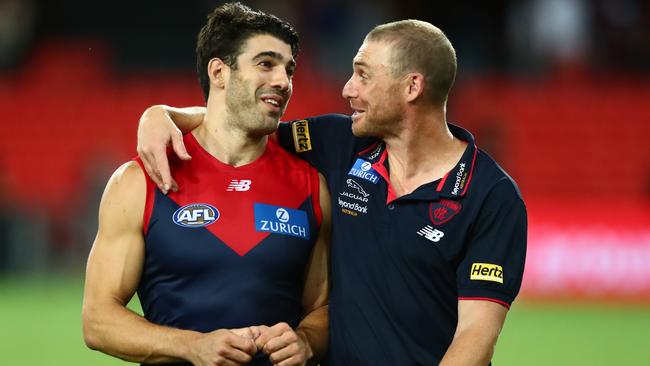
{"points": [[428, 232], [232, 268]]}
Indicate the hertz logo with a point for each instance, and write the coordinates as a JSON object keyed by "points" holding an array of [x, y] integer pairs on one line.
{"points": [[301, 138], [486, 272]]}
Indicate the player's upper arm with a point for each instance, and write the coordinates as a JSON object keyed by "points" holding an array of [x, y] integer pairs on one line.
{"points": [[115, 261], [486, 317], [317, 282]]}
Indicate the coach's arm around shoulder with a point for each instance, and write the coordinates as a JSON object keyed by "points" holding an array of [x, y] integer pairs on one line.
{"points": [[479, 325], [112, 275]]}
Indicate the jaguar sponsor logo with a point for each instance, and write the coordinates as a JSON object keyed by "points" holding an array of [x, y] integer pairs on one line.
{"points": [[486, 272], [301, 138], [196, 215], [356, 186], [353, 196], [461, 179]]}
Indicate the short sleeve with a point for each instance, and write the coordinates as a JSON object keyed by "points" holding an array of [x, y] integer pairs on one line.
{"points": [[324, 141], [493, 266]]}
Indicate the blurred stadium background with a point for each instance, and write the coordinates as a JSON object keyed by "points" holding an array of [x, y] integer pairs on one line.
{"points": [[558, 91]]}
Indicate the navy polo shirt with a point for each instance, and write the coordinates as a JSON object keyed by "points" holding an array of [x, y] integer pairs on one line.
{"points": [[400, 265]]}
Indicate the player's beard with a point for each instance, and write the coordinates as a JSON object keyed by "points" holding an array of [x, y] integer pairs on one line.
{"points": [[244, 110]]}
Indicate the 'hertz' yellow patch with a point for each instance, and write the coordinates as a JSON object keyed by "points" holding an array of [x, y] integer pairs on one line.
{"points": [[486, 272], [301, 138]]}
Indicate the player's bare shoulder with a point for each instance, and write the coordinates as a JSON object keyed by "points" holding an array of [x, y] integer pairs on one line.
{"points": [[125, 192]]}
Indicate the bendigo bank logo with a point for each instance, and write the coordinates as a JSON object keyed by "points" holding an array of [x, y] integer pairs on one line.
{"points": [[281, 220], [363, 169], [486, 272], [301, 138], [196, 215]]}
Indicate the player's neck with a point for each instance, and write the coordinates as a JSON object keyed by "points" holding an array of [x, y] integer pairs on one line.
{"points": [[220, 137], [424, 151]]}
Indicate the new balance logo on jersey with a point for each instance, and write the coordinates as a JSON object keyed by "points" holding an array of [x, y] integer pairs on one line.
{"points": [[239, 185], [430, 233]]}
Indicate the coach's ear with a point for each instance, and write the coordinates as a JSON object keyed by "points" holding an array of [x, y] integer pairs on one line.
{"points": [[218, 72], [414, 86]]}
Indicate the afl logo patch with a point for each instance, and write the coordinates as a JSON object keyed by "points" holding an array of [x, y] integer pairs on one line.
{"points": [[196, 215], [442, 211]]}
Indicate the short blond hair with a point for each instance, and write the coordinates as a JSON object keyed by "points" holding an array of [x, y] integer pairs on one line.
{"points": [[420, 47]]}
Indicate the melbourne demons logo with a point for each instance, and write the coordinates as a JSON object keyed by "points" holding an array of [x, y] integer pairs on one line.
{"points": [[442, 211], [196, 215]]}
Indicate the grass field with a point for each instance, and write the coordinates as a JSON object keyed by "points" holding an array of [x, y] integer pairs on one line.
{"points": [[40, 325]]}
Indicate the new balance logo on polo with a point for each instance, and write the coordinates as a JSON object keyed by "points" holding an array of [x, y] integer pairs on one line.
{"points": [[430, 233], [239, 185]]}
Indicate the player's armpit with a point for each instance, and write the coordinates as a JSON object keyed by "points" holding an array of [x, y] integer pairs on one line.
{"points": [[479, 325], [112, 275], [314, 326]]}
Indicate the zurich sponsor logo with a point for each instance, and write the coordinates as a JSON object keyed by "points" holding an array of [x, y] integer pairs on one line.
{"points": [[363, 169], [196, 215], [281, 220]]}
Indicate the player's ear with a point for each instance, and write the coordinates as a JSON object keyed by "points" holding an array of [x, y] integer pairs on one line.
{"points": [[414, 86], [218, 72]]}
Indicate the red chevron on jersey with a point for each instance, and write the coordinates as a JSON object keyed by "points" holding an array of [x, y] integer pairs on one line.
{"points": [[276, 178]]}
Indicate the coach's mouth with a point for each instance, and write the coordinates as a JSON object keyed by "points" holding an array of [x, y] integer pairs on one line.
{"points": [[358, 114]]}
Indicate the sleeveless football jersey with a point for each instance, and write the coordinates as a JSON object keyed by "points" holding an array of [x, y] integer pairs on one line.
{"points": [[230, 249]]}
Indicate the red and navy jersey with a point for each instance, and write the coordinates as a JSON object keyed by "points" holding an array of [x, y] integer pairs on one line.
{"points": [[400, 265], [231, 248]]}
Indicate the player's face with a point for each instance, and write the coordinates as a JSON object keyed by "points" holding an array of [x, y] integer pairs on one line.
{"points": [[373, 92], [259, 89]]}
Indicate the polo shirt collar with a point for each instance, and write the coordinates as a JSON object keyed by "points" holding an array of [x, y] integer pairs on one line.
{"points": [[453, 185]]}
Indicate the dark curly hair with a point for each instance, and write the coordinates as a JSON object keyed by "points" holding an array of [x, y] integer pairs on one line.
{"points": [[229, 26]]}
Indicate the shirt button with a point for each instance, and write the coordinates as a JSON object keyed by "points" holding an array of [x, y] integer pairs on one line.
{"points": [[391, 207]]}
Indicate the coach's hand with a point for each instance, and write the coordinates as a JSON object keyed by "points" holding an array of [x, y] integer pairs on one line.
{"points": [[222, 347], [284, 346], [156, 131]]}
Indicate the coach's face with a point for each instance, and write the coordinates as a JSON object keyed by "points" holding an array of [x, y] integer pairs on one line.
{"points": [[258, 90], [373, 92]]}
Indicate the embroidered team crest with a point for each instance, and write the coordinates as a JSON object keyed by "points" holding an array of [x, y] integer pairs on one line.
{"points": [[442, 211]]}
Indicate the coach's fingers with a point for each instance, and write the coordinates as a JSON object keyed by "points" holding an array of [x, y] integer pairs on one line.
{"points": [[149, 167], [179, 146], [160, 169]]}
